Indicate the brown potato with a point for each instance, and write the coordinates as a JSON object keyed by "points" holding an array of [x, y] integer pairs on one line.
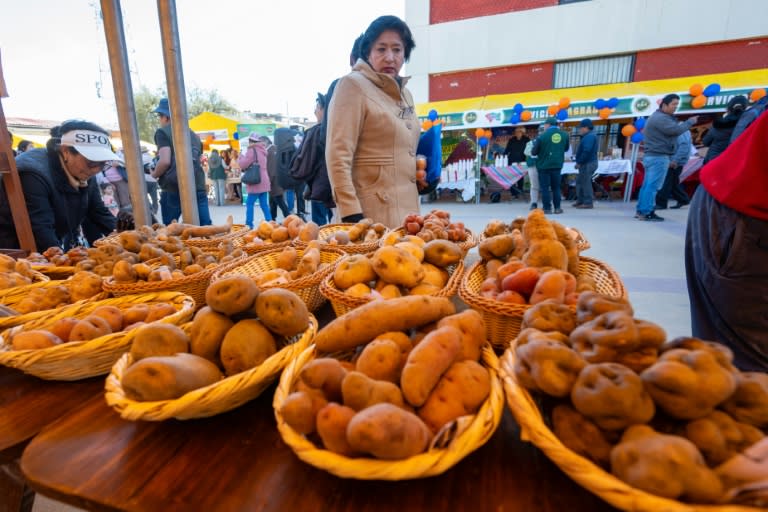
{"points": [[287, 259], [34, 340], [332, 421], [246, 345], [112, 315], [381, 360], [442, 253], [280, 234], [159, 339], [461, 391], [326, 375], [168, 377], [472, 328], [309, 231], [434, 275], [136, 313], [389, 291], [207, 333], [159, 311], [424, 289], [282, 311], [63, 327], [352, 270], [360, 391], [397, 266], [388, 432], [300, 408], [89, 328], [231, 294], [123, 272], [428, 361]]}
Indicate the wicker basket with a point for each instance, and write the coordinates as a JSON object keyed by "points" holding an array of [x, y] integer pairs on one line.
{"points": [[502, 320], [82, 359], [217, 398], [343, 303], [209, 244], [307, 288], [466, 245], [54, 272], [581, 470], [250, 250], [582, 244], [113, 238], [452, 444], [329, 229]]}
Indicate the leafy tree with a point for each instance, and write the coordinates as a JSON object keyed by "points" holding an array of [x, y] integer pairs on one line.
{"points": [[207, 100]]}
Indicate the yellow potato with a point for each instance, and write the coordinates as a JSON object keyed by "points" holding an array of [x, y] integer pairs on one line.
{"points": [[159, 339], [461, 391], [282, 311], [207, 332], [360, 391], [168, 377], [472, 328], [415, 250], [434, 275], [246, 345], [354, 269], [397, 266], [428, 361], [358, 290], [388, 432], [381, 360], [34, 340]]}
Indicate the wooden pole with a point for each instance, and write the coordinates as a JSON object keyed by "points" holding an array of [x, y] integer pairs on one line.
{"points": [[11, 182]]}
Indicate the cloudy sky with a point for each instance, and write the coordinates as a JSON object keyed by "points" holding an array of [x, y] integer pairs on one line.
{"points": [[261, 55]]}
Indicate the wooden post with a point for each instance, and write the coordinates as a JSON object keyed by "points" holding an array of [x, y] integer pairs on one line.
{"points": [[11, 182]]}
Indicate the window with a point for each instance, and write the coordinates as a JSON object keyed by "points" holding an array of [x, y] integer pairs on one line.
{"points": [[603, 70]]}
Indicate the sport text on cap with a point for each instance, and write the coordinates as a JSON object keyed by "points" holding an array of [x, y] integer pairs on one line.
{"points": [[92, 145]]}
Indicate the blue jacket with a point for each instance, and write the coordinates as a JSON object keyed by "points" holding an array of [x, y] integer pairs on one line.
{"points": [[587, 151], [682, 149]]}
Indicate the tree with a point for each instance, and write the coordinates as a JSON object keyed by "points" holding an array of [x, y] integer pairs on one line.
{"points": [[207, 100]]}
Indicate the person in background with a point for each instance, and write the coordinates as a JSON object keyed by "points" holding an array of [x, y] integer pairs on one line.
{"points": [[24, 146], [276, 199], [218, 176], [586, 164], [373, 130], [117, 178], [60, 188], [515, 152], [726, 250], [256, 152], [672, 184], [549, 149], [749, 117], [235, 171], [661, 132], [719, 134], [533, 175], [152, 188]]}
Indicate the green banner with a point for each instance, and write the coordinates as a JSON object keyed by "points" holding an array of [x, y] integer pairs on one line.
{"points": [[244, 130]]}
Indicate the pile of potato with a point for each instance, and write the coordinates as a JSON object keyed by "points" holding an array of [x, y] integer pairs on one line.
{"points": [[408, 267], [82, 285], [272, 232], [100, 322], [56, 256], [436, 225], [673, 418], [237, 330], [415, 369], [14, 272], [290, 266]]}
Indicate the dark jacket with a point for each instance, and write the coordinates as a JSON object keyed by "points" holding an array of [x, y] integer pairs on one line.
{"points": [[515, 149], [56, 210], [749, 116], [661, 132], [550, 148], [587, 150], [309, 166], [719, 134], [275, 190], [216, 168]]}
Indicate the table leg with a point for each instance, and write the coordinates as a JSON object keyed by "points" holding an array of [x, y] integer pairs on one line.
{"points": [[15, 495]]}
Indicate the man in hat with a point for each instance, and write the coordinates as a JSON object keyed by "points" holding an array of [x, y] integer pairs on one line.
{"points": [[550, 148], [586, 164], [726, 250], [165, 170]]}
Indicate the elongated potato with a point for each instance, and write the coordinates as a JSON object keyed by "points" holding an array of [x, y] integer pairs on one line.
{"points": [[159, 339], [300, 410], [388, 432], [428, 361], [472, 328], [381, 359], [364, 323], [168, 377], [360, 391], [332, 422], [324, 374]]}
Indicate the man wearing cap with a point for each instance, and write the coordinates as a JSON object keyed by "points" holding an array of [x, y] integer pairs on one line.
{"points": [[165, 170], [586, 164], [63, 198], [550, 148]]}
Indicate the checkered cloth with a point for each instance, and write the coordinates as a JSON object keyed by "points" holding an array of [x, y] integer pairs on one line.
{"points": [[505, 176]]}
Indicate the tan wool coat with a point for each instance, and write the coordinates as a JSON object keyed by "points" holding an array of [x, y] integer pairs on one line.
{"points": [[371, 147]]}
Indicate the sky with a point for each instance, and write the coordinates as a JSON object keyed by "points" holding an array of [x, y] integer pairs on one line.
{"points": [[266, 56]]}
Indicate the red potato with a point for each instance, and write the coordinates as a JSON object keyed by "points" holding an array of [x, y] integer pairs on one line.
{"points": [[63, 327], [523, 281], [509, 268], [489, 285], [570, 283], [551, 285], [112, 315], [511, 297], [572, 299]]}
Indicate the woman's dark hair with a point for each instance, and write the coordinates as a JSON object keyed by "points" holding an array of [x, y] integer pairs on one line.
{"points": [[24, 145], [320, 100], [669, 98], [381, 24], [53, 146], [736, 104], [355, 53]]}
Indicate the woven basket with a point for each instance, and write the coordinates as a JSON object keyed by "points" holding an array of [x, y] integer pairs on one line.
{"points": [[502, 320], [343, 303], [237, 231], [454, 443], [35, 276], [270, 246], [466, 245], [82, 359], [353, 248], [307, 288], [114, 238], [582, 244], [581, 470], [217, 398], [54, 272]]}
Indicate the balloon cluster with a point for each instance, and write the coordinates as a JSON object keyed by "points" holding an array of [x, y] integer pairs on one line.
{"points": [[757, 95], [634, 131], [560, 109], [520, 114], [700, 94], [483, 136], [236, 136], [431, 120], [605, 107]]}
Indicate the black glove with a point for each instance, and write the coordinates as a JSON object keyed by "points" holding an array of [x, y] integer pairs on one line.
{"points": [[352, 218], [429, 188], [125, 221]]}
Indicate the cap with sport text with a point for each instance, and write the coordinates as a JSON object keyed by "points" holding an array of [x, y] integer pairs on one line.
{"points": [[94, 146]]}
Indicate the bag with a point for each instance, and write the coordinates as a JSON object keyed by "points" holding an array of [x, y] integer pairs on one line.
{"points": [[528, 148], [169, 180], [252, 174], [285, 142]]}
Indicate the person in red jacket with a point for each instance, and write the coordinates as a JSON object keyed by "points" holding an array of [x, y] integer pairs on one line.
{"points": [[726, 250]]}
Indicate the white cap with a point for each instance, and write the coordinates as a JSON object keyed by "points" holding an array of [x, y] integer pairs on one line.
{"points": [[92, 145]]}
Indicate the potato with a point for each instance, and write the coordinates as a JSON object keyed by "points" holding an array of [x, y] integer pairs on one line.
{"points": [[388, 432], [159, 339], [332, 421], [300, 408], [461, 391], [414, 249], [287, 259], [168, 377], [472, 328], [246, 345], [358, 290], [551, 285], [112, 315], [159, 311], [428, 361], [89, 328], [136, 313], [442, 253], [391, 238], [231, 294], [33, 340], [352, 270], [207, 333], [282, 311], [360, 391], [424, 289], [309, 263], [309, 231], [397, 266], [434, 275], [123, 272], [498, 246], [280, 234], [264, 230], [84, 285], [492, 268], [400, 339], [364, 323], [62, 327], [381, 360], [326, 375], [388, 291], [273, 277]]}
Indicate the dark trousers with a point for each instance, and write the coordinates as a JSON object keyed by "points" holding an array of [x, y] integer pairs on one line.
{"points": [[170, 207], [725, 265], [672, 187], [549, 181], [320, 214], [274, 203], [584, 193]]}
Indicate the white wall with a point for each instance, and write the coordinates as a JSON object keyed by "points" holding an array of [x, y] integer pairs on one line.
{"points": [[582, 29]]}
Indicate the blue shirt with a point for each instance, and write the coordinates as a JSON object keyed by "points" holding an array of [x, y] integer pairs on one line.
{"points": [[587, 151]]}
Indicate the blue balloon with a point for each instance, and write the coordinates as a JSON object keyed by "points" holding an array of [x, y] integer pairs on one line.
{"points": [[518, 108], [600, 104], [640, 123], [483, 141], [711, 90], [562, 114], [515, 118], [612, 103], [636, 137], [433, 115], [236, 136]]}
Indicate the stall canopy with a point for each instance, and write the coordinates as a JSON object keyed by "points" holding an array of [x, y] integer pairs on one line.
{"points": [[35, 138], [635, 99], [215, 130]]}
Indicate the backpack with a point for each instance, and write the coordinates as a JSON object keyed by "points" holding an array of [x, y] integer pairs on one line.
{"points": [[309, 157], [170, 180], [285, 144]]}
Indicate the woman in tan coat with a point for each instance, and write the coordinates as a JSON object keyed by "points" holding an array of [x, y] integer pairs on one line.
{"points": [[373, 131]]}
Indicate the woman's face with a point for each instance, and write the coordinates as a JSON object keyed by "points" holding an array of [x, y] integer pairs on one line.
{"points": [[81, 168], [387, 53]]}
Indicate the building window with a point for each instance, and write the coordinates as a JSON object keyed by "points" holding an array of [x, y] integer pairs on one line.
{"points": [[604, 70]]}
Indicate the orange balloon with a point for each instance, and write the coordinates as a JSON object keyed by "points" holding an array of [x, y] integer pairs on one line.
{"points": [[552, 109], [488, 134], [696, 90], [604, 113], [479, 133], [627, 130], [564, 103], [699, 101], [526, 115], [437, 122], [757, 95], [426, 124]]}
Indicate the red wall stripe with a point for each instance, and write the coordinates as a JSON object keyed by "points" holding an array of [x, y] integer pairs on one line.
{"points": [[441, 11], [482, 82]]}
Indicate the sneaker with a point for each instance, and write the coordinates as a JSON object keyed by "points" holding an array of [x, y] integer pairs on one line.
{"points": [[576, 204], [584, 206], [558, 210], [652, 217], [659, 207], [678, 205], [639, 215], [548, 212], [533, 206]]}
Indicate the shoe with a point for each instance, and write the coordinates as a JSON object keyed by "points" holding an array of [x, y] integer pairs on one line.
{"points": [[678, 205], [548, 212], [584, 206], [558, 210], [576, 204], [652, 217], [663, 207], [533, 206]]}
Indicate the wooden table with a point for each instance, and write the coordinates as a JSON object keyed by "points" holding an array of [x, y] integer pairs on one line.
{"points": [[237, 461], [27, 404]]}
